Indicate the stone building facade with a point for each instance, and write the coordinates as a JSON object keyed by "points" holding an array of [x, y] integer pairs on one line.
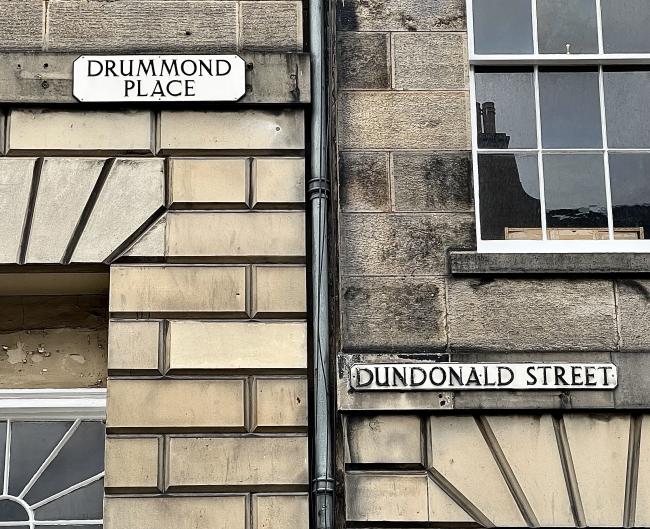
{"points": [[172, 236], [414, 289], [157, 320]]}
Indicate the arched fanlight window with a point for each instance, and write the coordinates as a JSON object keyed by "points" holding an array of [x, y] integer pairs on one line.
{"points": [[53, 460]]}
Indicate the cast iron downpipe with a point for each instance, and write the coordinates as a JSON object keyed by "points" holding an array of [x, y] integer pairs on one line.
{"points": [[318, 189]]}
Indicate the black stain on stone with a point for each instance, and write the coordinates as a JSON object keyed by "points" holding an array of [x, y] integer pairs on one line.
{"points": [[637, 287]]}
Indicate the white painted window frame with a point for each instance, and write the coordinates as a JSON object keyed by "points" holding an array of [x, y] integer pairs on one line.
{"points": [[535, 60], [48, 405]]}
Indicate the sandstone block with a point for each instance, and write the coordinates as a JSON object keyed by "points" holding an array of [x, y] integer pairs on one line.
{"points": [[215, 404], [32, 130], [271, 26], [459, 452], [246, 236], [387, 313], [132, 462], [15, 182], [402, 244], [444, 510], [363, 181], [642, 514], [384, 439], [182, 131], [278, 182], [143, 26], [404, 120], [189, 512], [133, 345], [218, 289], [279, 291], [202, 345], [532, 315], [280, 511], [151, 243], [63, 181], [363, 60], [216, 181], [408, 15], [430, 61], [279, 403], [384, 497], [21, 25], [214, 462], [133, 192], [432, 181], [530, 447], [604, 439]]}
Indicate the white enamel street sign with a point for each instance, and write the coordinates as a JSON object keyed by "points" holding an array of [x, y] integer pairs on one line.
{"points": [[130, 78], [457, 376]]}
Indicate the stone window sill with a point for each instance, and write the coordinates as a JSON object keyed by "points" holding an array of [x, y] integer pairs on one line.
{"points": [[474, 263]]}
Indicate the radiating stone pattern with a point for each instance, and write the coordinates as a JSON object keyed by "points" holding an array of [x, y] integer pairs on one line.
{"points": [[570, 470]]}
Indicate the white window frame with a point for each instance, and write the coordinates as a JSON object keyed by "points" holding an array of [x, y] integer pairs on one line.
{"points": [[534, 61], [48, 405]]}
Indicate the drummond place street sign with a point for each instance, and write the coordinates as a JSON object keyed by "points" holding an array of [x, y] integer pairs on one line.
{"points": [[133, 78], [456, 376]]}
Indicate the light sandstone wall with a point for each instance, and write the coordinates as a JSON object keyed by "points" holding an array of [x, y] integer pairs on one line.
{"points": [[207, 394], [524, 470], [201, 217], [200, 214], [405, 199]]}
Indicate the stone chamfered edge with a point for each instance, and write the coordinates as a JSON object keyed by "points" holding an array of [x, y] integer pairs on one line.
{"points": [[632, 392], [39, 78]]}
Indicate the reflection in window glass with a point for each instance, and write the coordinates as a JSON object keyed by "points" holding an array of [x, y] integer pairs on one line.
{"points": [[574, 190], [509, 196], [570, 109], [627, 108], [502, 26], [505, 110], [629, 174], [625, 26], [567, 26]]}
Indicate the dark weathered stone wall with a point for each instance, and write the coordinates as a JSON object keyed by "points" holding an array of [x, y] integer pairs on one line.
{"points": [[404, 170], [406, 200], [152, 25]]}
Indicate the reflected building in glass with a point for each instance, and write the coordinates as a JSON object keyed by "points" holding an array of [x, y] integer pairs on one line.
{"points": [[508, 183]]}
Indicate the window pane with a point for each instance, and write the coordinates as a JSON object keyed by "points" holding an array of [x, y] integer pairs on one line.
{"points": [[627, 108], [509, 196], [625, 26], [505, 110], [81, 458], [31, 444], [570, 109], [82, 504], [629, 175], [11, 511], [574, 189], [502, 26], [567, 26]]}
